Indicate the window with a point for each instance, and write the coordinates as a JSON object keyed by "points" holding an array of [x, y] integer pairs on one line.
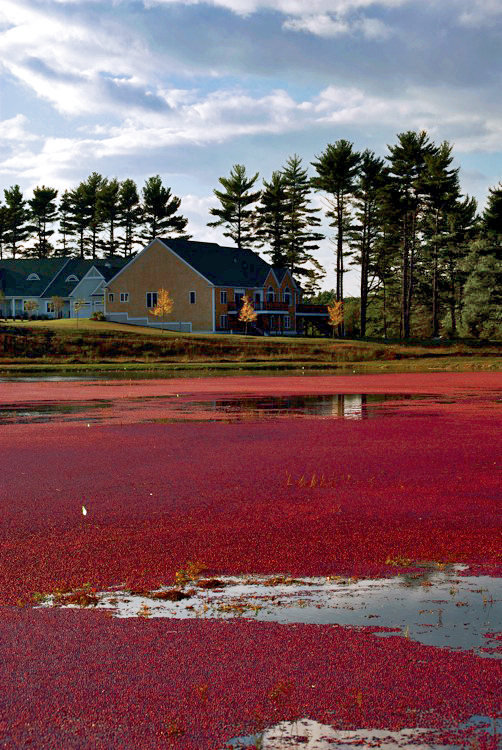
{"points": [[71, 277], [286, 296], [33, 277], [111, 297], [223, 296], [238, 298], [223, 321], [287, 322], [124, 296], [257, 300], [270, 294], [151, 299], [50, 307], [192, 298]]}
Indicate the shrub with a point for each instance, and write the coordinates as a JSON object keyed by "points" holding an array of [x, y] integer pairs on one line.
{"points": [[98, 316]]}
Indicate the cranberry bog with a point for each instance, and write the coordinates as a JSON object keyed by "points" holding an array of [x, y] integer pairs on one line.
{"points": [[129, 510]]}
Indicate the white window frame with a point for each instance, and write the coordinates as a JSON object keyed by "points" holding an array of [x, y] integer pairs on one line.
{"points": [[111, 296], [287, 323], [271, 294], [286, 293], [224, 321], [153, 299], [223, 297], [124, 297]]}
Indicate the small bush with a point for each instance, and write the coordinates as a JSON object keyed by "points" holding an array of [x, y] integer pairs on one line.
{"points": [[98, 316]]}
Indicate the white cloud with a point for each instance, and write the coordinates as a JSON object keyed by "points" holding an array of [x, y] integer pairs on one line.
{"points": [[14, 130]]}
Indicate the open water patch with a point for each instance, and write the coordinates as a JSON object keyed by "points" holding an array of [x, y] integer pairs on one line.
{"points": [[434, 607], [312, 735], [54, 411], [355, 406]]}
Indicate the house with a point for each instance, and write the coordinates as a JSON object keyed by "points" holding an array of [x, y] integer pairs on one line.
{"points": [[207, 283], [30, 285]]}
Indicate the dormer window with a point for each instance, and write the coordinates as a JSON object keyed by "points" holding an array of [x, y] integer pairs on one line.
{"points": [[71, 277], [286, 296], [270, 294], [33, 277]]}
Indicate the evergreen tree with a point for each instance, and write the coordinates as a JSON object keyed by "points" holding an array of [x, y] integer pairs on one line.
{"points": [[301, 219], [367, 226], [43, 213], [482, 303], [237, 212], [407, 161], [108, 209], [92, 190], [3, 227], [80, 216], [491, 221], [17, 216], [462, 228], [131, 216], [271, 219], [160, 211], [66, 226], [337, 168], [441, 191]]}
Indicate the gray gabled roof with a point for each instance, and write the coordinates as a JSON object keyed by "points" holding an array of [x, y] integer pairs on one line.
{"points": [[53, 274], [14, 274], [222, 266]]}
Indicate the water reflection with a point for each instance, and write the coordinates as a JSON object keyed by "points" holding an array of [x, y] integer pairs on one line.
{"points": [[354, 406], [312, 735], [436, 607], [339, 405]]}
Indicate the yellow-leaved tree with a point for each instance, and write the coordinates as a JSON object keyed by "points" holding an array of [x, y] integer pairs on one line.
{"points": [[247, 312], [164, 305], [335, 312]]}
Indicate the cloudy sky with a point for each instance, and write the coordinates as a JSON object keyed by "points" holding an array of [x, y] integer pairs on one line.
{"points": [[186, 89]]}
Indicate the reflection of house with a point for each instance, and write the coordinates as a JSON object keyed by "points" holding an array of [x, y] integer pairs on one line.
{"points": [[207, 283], [29, 285]]}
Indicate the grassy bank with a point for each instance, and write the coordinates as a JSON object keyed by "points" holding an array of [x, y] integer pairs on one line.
{"points": [[54, 346]]}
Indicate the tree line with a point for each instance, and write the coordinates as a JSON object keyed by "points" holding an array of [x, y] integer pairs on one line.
{"points": [[421, 247], [100, 217]]}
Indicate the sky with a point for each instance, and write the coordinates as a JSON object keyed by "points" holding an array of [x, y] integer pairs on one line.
{"points": [[186, 89]]}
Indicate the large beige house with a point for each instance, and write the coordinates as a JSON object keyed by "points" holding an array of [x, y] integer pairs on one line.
{"points": [[207, 283]]}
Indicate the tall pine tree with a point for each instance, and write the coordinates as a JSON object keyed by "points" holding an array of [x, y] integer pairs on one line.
{"points": [[237, 207]]}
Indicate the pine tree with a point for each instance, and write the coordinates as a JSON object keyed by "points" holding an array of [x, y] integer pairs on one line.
{"points": [[237, 213], [271, 219], [130, 215], [160, 212], [80, 216], [441, 191], [337, 168], [301, 219], [108, 209], [66, 226], [93, 189], [491, 221], [17, 215], [407, 164], [3, 227], [482, 302], [43, 213], [368, 225]]}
